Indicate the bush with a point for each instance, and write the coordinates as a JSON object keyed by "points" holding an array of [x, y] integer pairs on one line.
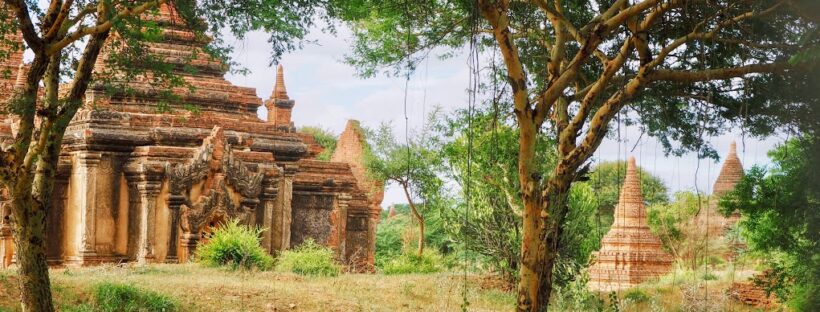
{"points": [[126, 298], [430, 261], [235, 246], [636, 295], [309, 259]]}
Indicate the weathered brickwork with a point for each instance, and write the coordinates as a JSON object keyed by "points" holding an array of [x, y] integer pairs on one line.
{"points": [[630, 254]]}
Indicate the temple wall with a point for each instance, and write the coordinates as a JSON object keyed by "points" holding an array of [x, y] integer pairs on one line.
{"points": [[311, 217], [55, 240], [357, 235]]}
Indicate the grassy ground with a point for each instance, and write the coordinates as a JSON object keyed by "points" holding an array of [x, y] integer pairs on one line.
{"points": [[197, 288]]}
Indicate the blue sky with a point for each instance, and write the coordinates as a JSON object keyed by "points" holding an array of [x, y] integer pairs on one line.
{"points": [[328, 93]]}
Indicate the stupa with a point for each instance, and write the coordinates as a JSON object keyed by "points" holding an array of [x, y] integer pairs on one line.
{"points": [[137, 184], [630, 254], [710, 219]]}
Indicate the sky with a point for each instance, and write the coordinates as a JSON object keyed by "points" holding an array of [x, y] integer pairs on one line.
{"points": [[328, 93]]}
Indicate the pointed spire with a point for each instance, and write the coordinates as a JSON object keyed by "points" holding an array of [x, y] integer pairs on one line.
{"points": [[279, 91], [392, 212], [730, 173], [630, 209], [21, 76]]}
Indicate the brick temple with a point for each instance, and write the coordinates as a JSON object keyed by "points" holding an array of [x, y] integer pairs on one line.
{"points": [[135, 184], [630, 254]]}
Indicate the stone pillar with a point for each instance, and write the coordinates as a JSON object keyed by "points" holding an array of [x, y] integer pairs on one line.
{"points": [[338, 218], [86, 174], [175, 202], [146, 182], [283, 209], [265, 219]]}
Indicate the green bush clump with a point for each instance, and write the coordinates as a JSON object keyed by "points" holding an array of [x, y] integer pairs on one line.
{"points": [[235, 246], [309, 259], [636, 295], [430, 261], [112, 297]]}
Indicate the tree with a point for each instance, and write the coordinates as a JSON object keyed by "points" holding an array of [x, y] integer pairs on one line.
{"points": [[66, 38], [479, 149], [413, 166], [606, 179], [674, 223], [683, 70], [780, 209]]}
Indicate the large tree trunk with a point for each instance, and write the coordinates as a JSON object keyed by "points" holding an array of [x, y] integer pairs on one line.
{"points": [[29, 237], [418, 217]]}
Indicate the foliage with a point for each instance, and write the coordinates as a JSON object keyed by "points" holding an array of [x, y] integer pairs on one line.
{"points": [[487, 138], [113, 297], [324, 138], [431, 261], [606, 179], [397, 235], [309, 259], [235, 246], [413, 166], [636, 295], [673, 223], [780, 209], [575, 296], [577, 244]]}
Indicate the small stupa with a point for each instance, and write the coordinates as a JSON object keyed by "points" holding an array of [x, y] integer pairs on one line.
{"points": [[630, 254], [713, 222], [392, 212]]}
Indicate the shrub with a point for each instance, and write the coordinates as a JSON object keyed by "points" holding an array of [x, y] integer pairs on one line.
{"points": [[126, 298], [430, 261], [636, 295], [709, 277], [309, 259], [235, 246]]}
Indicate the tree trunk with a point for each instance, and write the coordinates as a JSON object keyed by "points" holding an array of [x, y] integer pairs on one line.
{"points": [[542, 235], [29, 237], [418, 217]]}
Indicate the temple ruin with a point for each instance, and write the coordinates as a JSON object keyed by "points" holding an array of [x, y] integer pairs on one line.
{"points": [[135, 184], [630, 254]]}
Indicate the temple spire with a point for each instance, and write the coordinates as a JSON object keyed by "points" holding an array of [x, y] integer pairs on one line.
{"points": [[279, 90], [630, 202], [21, 76], [730, 173]]}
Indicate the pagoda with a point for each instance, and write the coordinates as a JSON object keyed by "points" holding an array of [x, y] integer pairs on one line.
{"points": [[136, 184], [630, 254], [710, 219]]}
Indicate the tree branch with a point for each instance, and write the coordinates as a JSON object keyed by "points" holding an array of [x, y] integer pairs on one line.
{"points": [[102, 27], [20, 9], [718, 73]]}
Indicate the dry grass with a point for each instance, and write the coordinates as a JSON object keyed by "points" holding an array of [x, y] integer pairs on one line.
{"points": [[198, 288]]}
